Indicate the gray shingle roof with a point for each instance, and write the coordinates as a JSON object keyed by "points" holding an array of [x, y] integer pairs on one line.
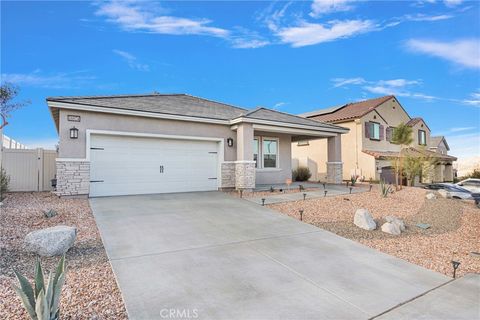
{"points": [[187, 105], [175, 104], [273, 115]]}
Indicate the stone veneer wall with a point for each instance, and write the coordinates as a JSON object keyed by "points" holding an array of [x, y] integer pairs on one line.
{"points": [[334, 172], [228, 175], [244, 174], [73, 178]]}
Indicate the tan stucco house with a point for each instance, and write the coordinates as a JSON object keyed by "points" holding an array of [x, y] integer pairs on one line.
{"points": [[159, 143], [367, 150]]}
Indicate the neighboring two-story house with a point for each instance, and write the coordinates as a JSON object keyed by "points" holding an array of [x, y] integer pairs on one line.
{"points": [[367, 150]]}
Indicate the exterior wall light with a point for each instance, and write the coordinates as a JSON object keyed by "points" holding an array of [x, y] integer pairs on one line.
{"points": [[73, 133], [230, 142]]}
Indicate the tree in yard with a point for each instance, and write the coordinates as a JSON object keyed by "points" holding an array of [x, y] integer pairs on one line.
{"points": [[8, 92], [414, 166], [402, 135]]}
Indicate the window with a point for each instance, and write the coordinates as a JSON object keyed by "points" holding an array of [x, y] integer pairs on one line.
{"points": [[265, 152], [270, 153], [373, 130], [255, 151], [422, 137]]}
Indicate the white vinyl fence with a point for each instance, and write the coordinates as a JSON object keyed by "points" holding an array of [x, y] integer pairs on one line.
{"points": [[29, 169]]}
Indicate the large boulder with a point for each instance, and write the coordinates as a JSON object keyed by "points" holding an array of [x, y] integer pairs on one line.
{"points": [[363, 219], [430, 196], [54, 241], [391, 228], [396, 221]]}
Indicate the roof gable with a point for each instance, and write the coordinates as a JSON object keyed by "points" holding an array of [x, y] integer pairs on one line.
{"points": [[414, 121], [348, 111]]}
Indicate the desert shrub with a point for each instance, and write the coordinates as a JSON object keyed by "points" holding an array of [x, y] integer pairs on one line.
{"points": [[301, 174], [384, 189], [42, 299], [4, 182]]}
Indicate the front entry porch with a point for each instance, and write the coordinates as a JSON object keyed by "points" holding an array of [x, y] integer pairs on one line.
{"points": [[264, 155]]}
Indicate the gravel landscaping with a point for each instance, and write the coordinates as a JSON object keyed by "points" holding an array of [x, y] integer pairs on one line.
{"points": [[90, 290], [454, 232]]}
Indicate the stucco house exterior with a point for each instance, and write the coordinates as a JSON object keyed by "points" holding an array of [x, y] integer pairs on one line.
{"points": [[160, 143], [367, 150]]}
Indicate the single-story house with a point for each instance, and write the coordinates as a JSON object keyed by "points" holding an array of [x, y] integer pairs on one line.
{"points": [[161, 143]]}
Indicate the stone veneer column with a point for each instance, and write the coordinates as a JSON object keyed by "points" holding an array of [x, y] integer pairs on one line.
{"points": [[228, 175], [244, 175], [334, 172], [73, 178], [334, 155]]}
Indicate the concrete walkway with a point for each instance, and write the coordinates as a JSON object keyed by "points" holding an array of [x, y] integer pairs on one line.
{"points": [[459, 299], [332, 190], [214, 256]]}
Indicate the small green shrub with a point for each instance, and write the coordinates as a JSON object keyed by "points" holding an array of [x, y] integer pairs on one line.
{"points": [[301, 174], [50, 213], [42, 302], [4, 182], [353, 179], [384, 189]]}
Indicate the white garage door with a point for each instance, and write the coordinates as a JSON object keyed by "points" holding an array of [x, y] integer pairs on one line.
{"points": [[122, 165]]}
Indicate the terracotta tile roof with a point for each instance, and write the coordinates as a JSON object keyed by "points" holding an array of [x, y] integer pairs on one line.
{"points": [[348, 111], [413, 121], [410, 152]]}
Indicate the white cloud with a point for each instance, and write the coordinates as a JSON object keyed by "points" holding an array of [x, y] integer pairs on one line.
{"points": [[137, 16], [321, 7], [452, 3], [398, 87], [277, 105], [473, 100], [340, 82], [132, 60], [54, 81], [462, 52], [461, 129], [424, 17], [306, 34]]}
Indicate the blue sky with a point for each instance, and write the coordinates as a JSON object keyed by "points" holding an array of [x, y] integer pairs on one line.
{"points": [[291, 56]]}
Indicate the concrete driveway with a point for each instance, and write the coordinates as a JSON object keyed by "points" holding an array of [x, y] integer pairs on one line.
{"points": [[211, 256]]}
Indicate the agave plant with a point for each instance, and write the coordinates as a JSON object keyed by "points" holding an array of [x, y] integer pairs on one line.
{"points": [[42, 302], [384, 189]]}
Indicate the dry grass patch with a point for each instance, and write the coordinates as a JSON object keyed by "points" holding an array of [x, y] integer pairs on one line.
{"points": [[453, 234], [90, 290]]}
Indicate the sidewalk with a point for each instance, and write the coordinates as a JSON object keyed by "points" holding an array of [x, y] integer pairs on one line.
{"points": [[332, 190]]}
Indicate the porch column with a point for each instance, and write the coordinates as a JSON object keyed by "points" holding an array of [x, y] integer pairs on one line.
{"points": [[334, 156], [448, 173], [245, 166]]}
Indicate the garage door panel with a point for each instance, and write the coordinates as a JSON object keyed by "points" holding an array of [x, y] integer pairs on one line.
{"points": [[131, 165]]}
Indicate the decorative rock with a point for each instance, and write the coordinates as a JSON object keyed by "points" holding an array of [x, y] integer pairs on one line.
{"points": [[430, 196], [53, 241], [363, 219], [444, 193], [391, 228], [396, 221]]}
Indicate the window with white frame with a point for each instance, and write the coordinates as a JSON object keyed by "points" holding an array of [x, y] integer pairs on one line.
{"points": [[375, 131], [256, 148], [422, 137], [265, 152]]}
